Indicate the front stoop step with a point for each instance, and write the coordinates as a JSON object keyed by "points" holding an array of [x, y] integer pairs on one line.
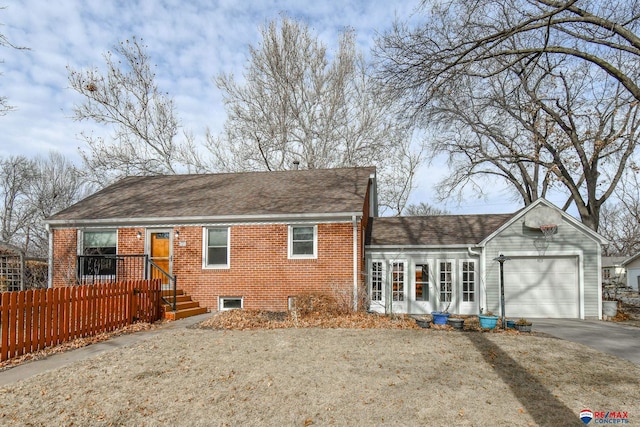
{"points": [[185, 306]]}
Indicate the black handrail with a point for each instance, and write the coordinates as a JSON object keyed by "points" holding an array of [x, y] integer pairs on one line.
{"points": [[112, 268], [173, 281]]}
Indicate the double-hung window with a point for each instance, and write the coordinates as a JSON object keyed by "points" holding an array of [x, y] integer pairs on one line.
{"points": [[216, 248], [303, 241], [98, 253]]}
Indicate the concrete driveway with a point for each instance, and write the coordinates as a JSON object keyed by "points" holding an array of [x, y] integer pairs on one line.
{"points": [[620, 340]]}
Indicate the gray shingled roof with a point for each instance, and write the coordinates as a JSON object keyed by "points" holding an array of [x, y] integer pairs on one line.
{"points": [[434, 230], [322, 191]]}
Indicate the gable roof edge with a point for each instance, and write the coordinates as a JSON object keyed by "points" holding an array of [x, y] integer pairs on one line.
{"points": [[630, 259], [542, 201]]}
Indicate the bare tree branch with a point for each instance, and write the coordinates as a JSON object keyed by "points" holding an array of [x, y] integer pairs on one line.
{"points": [[541, 93], [143, 119], [295, 104]]}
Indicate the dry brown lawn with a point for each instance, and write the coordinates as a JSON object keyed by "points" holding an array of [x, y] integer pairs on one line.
{"points": [[364, 370]]}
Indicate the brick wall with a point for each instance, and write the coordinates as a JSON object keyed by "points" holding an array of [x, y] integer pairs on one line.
{"points": [[65, 243], [259, 270]]}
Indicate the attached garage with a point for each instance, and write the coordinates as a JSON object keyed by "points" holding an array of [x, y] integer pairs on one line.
{"points": [[542, 287], [554, 267]]}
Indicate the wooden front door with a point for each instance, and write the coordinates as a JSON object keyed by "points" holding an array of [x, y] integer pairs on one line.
{"points": [[160, 253]]}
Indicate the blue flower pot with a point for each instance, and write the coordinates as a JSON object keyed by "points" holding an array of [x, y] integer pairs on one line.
{"points": [[488, 322], [439, 318], [511, 324]]}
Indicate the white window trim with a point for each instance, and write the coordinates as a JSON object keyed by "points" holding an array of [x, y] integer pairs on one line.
{"points": [[80, 237], [205, 250], [427, 283], [405, 289], [475, 280], [453, 282], [80, 247], [382, 280], [222, 299], [290, 242]]}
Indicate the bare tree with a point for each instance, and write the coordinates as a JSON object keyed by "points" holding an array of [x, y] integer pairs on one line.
{"points": [[538, 122], [57, 185], [423, 209], [620, 218], [460, 37], [31, 190], [5, 107], [294, 104], [143, 119], [16, 175]]}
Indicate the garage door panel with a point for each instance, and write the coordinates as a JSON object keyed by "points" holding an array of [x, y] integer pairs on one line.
{"points": [[541, 287]]}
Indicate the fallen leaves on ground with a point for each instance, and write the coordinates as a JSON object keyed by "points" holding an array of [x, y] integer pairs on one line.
{"points": [[257, 319], [74, 344]]}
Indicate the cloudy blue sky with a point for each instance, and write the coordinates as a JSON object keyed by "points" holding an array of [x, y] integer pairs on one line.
{"points": [[190, 41]]}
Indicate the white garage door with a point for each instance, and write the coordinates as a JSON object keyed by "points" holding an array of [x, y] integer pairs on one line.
{"points": [[541, 287]]}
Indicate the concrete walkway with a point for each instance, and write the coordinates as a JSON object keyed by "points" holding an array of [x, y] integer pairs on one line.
{"points": [[58, 360], [617, 339]]}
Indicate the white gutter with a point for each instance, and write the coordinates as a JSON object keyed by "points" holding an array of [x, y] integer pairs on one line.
{"points": [[471, 252], [200, 219], [417, 247], [355, 262], [49, 257]]}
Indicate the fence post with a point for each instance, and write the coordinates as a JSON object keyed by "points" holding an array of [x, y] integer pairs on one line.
{"points": [[134, 301], [4, 326]]}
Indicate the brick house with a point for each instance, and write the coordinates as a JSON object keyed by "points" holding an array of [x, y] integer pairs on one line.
{"points": [[250, 240], [255, 240]]}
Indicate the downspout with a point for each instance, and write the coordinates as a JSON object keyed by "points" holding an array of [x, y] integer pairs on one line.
{"points": [[49, 257], [483, 287], [355, 262]]}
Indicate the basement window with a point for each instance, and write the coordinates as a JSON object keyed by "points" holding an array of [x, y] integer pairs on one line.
{"points": [[230, 303]]}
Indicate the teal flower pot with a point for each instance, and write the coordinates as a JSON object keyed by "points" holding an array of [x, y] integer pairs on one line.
{"points": [[488, 322]]}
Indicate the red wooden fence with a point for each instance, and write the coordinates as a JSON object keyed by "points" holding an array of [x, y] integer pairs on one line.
{"points": [[35, 319]]}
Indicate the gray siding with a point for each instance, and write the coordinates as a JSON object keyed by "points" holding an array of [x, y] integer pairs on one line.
{"points": [[518, 240]]}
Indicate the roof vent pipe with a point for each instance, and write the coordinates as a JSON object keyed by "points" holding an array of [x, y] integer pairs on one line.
{"points": [[296, 164]]}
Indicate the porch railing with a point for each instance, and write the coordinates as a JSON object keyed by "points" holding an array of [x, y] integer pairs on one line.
{"points": [[93, 269]]}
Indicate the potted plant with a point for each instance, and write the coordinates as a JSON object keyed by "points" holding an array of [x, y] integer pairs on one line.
{"points": [[456, 322], [423, 323], [523, 325], [487, 320], [441, 317]]}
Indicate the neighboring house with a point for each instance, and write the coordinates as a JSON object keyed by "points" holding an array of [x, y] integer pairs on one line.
{"points": [[632, 265], [613, 272], [250, 240], [423, 264]]}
